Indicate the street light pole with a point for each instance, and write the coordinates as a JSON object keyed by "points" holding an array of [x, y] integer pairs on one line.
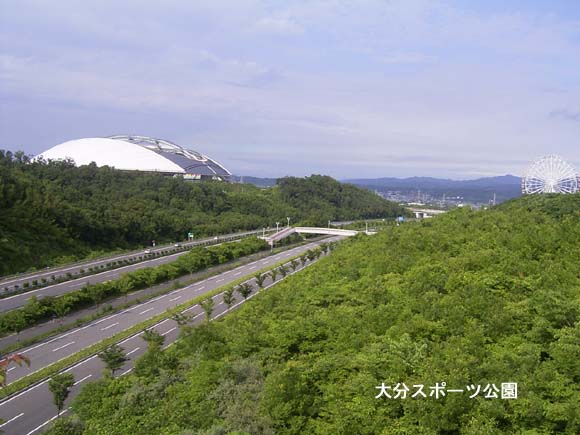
{"points": [[288, 221], [277, 226]]}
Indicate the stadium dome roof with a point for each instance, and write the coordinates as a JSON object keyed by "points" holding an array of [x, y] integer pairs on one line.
{"points": [[138, 153]]}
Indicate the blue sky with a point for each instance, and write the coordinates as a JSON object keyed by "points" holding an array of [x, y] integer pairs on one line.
{"points": [[367, 88]]}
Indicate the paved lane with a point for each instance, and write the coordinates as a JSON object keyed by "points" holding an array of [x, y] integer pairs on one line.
{"points": [[16, 301], [31, 410]]}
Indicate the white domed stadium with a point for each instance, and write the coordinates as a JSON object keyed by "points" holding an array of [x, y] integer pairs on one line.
{"points": [[139, 153]]}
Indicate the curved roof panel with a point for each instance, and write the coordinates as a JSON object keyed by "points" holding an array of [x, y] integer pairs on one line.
{"points": [[192, 162], [119, 154], [139, 153]]}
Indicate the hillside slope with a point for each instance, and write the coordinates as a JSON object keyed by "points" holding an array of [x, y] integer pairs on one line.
{"points": [[468, 298], [50, 210]]}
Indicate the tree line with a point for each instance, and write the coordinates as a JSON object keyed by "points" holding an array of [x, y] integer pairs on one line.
{"points": [[53, 212]]}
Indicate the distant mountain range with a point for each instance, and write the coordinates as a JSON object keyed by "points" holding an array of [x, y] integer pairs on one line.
{"points": [[480, 190]]}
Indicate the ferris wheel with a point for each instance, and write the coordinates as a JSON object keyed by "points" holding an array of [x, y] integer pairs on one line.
{"points": [[550, 174]]}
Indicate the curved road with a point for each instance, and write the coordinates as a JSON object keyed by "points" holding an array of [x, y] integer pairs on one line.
{"points": [[19, 300], [74, 269], [31, 410]]}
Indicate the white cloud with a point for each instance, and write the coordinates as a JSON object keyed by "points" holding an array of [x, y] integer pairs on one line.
{"points": [[278, 26], [406, 58], [369, 83]]}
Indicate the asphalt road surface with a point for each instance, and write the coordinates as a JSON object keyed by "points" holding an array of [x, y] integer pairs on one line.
{"points": [[19, 300], [74, 269], [31, 410]]}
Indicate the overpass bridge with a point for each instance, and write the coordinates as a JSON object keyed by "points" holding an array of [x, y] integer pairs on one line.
{"points": [[421, 213], [310, 230]]}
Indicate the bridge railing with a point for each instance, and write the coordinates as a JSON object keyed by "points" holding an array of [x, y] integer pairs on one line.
{"points": [[311, 230], [280, 235], [329, 231]]}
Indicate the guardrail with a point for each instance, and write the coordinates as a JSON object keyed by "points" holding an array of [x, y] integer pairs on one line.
{"points": [[33, 280]]}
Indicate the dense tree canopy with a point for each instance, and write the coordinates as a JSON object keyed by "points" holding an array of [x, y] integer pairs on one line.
{"points": [[467, 298], [54, 209]]}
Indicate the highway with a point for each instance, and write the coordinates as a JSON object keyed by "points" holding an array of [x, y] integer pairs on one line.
{"points": [[30, 411], [19, 300], [74, 269]]}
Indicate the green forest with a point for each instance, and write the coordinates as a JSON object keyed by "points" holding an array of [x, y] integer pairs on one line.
{"points": [[470, 298], [53, 212]]}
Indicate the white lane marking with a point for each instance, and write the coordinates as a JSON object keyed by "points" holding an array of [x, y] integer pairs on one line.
{"points": [[200, 314], [277, 258], [12, 419], [97, 263], [253, 267], [237, 273], [201, 288], [104, 319], [131, 338], [10, 369], [68, 283], [47, 421], [157, 298], [83, 379], [174, 299], [219, 280], [110, 326], [147, 310], [61, 336], [217, 316], [23, 392], [133, 351], [67, 370], [126, 371], [62, 347], [170, 331], [80, 363], [190, 308]]}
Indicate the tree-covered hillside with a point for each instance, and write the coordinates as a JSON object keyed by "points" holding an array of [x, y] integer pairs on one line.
{"points": [[469, 299], [49, 210]]}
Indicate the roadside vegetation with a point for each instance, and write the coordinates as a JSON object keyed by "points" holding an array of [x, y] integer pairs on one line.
{"points": [[38, 310], [54, 213], [467, 298], [176, 313]]}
